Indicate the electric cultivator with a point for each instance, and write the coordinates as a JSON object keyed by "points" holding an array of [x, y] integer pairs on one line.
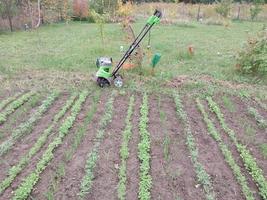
{"points": [[104, 75]]}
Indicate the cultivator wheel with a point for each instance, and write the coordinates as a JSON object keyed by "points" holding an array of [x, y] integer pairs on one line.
{"points": [[118, 82]]}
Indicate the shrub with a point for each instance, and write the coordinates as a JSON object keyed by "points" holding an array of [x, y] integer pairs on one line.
{"points": [[252, 59], [224, 8], [256, 8]]}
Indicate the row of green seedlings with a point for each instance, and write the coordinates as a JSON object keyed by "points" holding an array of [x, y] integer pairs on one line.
{"points": [[24, 161], [124, 151], [25, 188], [145, 182], [202, 176], [26, 127], [78, 138], [263, 105], [7, 101], [14, 105], [261, 122], [248, 160], [92, 157], [228, 156]]}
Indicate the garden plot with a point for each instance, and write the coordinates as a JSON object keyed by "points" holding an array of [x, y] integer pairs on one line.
{"points": [[134, 145]]}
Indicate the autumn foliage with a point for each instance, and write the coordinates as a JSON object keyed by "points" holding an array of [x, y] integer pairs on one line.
{"points": [[80, 8]]}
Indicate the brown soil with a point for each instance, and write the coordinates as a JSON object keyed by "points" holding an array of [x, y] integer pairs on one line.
{"points": [[234, 151], [210, 156], [16, 118], [173, 178], [48, 175], [133, 161], [74, 170], [236, 121], [23, 146], [106, 173]]}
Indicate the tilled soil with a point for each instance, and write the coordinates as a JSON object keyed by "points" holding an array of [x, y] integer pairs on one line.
{"points": [[133, 161], [20, 115], [49, 174], [238, 121], [234, 151], [106, 172], [209, 155], [23, 146], [175, 177], [74, 170]]}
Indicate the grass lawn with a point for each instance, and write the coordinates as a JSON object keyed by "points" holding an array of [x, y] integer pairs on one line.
{"points": [[75, 47]]}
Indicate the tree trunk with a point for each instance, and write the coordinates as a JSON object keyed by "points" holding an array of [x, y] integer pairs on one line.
{"points": [[238, 12], [198, 12], [39, 14], [10, 23]]}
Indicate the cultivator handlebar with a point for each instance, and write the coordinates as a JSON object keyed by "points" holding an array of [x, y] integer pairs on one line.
{"points": [[154, 19]]}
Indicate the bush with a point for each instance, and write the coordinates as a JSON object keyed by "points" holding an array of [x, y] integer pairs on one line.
{"points": [[253, 58], [256, 8], [223, 8]]}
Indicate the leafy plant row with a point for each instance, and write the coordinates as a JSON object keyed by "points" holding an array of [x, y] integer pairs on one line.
{"points": [[241, 179], [249, 161], [7, 101], [14, 105], [79, 135], [124, 151], [92, 157], [263, 105], [259, 119], [25, 188], [203, 177], [27, 126], [145, 182], [16, 169]]}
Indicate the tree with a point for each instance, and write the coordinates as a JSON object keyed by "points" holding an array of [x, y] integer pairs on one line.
{"points": [[224, 8], [256, 8], [8, 9]]}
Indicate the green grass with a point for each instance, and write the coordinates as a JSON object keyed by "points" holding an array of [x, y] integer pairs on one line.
{"points": [[75, 47]]}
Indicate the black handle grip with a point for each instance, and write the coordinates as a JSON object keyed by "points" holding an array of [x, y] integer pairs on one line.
{"points": [[158, 13]]}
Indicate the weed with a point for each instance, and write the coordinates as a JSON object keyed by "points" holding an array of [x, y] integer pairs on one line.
{"points": [[228, 103]]}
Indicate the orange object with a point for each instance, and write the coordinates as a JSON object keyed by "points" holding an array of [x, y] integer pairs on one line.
{"points": [[191, 50], [128, 66]]}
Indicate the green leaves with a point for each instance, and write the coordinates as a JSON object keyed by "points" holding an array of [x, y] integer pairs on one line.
{"points": [[92, 157], [27, 126], [13, 106], [145, 182], [124, 151], [203, 177], [25, 188]]}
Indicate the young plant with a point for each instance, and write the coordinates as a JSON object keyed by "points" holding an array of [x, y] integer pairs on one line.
{"points": [[27, 126], [228, 156], [16, 169], [25, 188], [7, 101], [145, 182], [259, 119], [14, 105], [124, 151], [79, 135], [203, 177], [92, 157], [248, 160]]}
